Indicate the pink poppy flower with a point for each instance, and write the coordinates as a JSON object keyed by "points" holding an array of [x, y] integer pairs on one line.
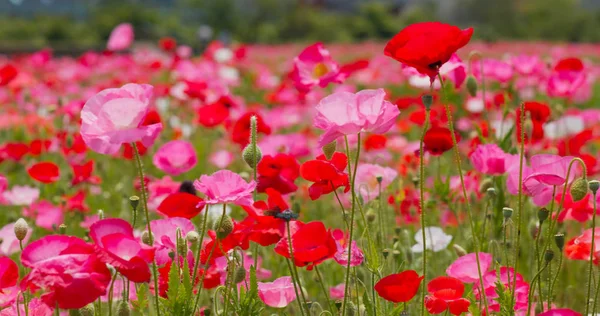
{"points": [[175, 157], [221, 159], [489, 283], [278, 293], [121, 37], [115, 116], [46, 214], [9, 244], [8, 296], [454, 70], [21, 195], [117, 246], [493, 69], [560, 312], [225, 186], [366, 179], [117, 290], [567, 77], [165, 236], [547, 170], [35, 307], [315, 67], [528, 65], [67, 269], [337, 292], [341, 256], [345, 113], [465, 267], [491, 160]]}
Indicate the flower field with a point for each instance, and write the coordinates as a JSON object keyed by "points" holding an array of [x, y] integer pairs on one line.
{"points": [[429, 175]]}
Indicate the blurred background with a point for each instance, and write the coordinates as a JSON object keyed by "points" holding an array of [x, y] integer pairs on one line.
{"points": [[77, 25]]}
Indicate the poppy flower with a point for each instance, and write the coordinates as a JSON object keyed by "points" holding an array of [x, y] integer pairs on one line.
{"points": [[76, 202], [265, 228], [67, 269], [438, 140], [427, 46], [225, 186], [399, 287], [9, 273], [167, 44], [165, 241], [345, 113], [366, 179], [181, 204], [374, 142], [492, 160], [117, 246], [240, 133], [312, 244], [279, 293], [315, 67], [116, 116], [128, 150], [341, 256], [14, 151], [278, 172], [44, 172], [567, 78], [8, 72], [121, 37], [579, 247], [83, 173], [175, 157], [560, 312], [237, 238], [581, 210], [46, 214], [38, 146], [445, 293], [465, 268], [215, 113], [327, 175]]}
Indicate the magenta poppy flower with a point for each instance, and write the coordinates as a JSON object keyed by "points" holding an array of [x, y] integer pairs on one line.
{"points": [[116, 116], [341, 256], [67, 269], [278, 293], [165, 236], [121, 37], [35, 307], [560, 312], [465, 268], [46, 214], [175, 157], [494, 70], [567, 77], [225, 186], [546, 171], [116, 246], [315, 67], [9, 273], [345, 113], [492, 160]]}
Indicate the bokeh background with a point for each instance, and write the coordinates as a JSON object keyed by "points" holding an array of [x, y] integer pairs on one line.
{"points": [[76, 25]]}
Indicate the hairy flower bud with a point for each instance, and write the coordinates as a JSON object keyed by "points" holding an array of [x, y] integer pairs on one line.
{"points": [[542, 214], [579, 189], [460, 251], [549, 255], [239, 275], [87, 310], [225, 228], [21, 227], [123, 309], [472, 86], [146, 238], [192, 237], [252, 155], [329, 149], [62, 229], [594, 186]]}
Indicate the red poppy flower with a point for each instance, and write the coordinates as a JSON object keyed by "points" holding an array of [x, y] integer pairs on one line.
{"points": [[237, 238], [399, 287], [14, 151], [196, 89], [438, 140], [352, 67], [580, 211], [312, 244], [539, 114], [7, 74], [569, 64], [73, 144], [76, 202], [278, 172], [9, 273], [572, 145], [240, 133], [427, 46], [327, 175], [446, 294], [44, 172], [128, 150], [375, 142], [38, 146], [213, 114], [167, 44], [83, 173], [180, 204], [264, 228]]}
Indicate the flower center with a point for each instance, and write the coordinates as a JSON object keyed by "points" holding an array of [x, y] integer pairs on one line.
{"points": [[320, 70]]}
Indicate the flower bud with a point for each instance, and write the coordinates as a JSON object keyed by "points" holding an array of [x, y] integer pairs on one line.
{"points": [[146, 238], [62, 229], [225, 228], [88, 310], [397, 231], [485, 185], [21, 227], [123, 309], [549, 255], [491, 192], [192, 237], [239, 275], [427, 100], [472, 85], [101, 215], [252, 155], [379, 179], [386, 253], [594, 186], [460, 251], [329, 149], [579, 189], [542, 214], [507, 212], [371, 216], [559, 240], [134, 201]]}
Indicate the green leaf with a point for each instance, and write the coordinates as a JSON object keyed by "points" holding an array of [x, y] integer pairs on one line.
{"points": [[368, 304], [187, 279], [173, 284], [142, 298], [253, 293], [505, 144]]}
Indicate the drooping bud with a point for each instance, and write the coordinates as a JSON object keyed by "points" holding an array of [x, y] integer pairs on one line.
{"points": [[427, 100], [507, 212], [485, 185], [225, 228], [88, 310], [460, 251], [549, 255], [252, 153], [559, 240], [594, 186], [62, 229], [134, 201], [239, 275], [329, 149], [543, 214], [192, 237], [123, 309], [472, 85], [579, 189], [21, 227]]}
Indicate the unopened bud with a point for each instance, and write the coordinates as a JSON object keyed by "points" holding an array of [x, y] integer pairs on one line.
{"points": [[485, 185], [472, 85], [559, 240], [579, 189], [62, 229], [379, 179], [549, 255], [507, 212], [192, 237], [415, 180], [594, 186], [427, 100], [88, 310], [371, 216], [460, 251], [225, 228], [329, 149], [252, 155], [146, 238], [123, 309], [491, 192], [239, 275], [21, 229], [101, 215], [543, 214], [386, 253], [134, 201]]}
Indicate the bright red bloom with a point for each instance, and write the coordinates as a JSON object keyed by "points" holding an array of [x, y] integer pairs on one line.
{"points": [[38, 146], [569, 64], [327, 175], [116, 246], [427, 46], [83, 173], [399, 287], [312, 244], [572, 145], [539, 114], [375, 142], [438, 140], [237, 238], [167, 44], [7, 74], [196, 89], [67, 269], [580, 211], [240, 133], [181, 204], [44, 172], [213, 114], [278, 172], [266, 229], [446, 294], [76, 202], [9, 273], [128, 150], [14, 151]]}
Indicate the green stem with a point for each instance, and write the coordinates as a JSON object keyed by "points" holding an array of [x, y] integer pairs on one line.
{"points": [[551, 291], [520, 203], [422, 202], [295, 286], [591, 265], [289, 237], [539, 264], [324, 288], [110, 293], [198, 250], [532, 284], [352, 176], [140, 168], [464, 190]]}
